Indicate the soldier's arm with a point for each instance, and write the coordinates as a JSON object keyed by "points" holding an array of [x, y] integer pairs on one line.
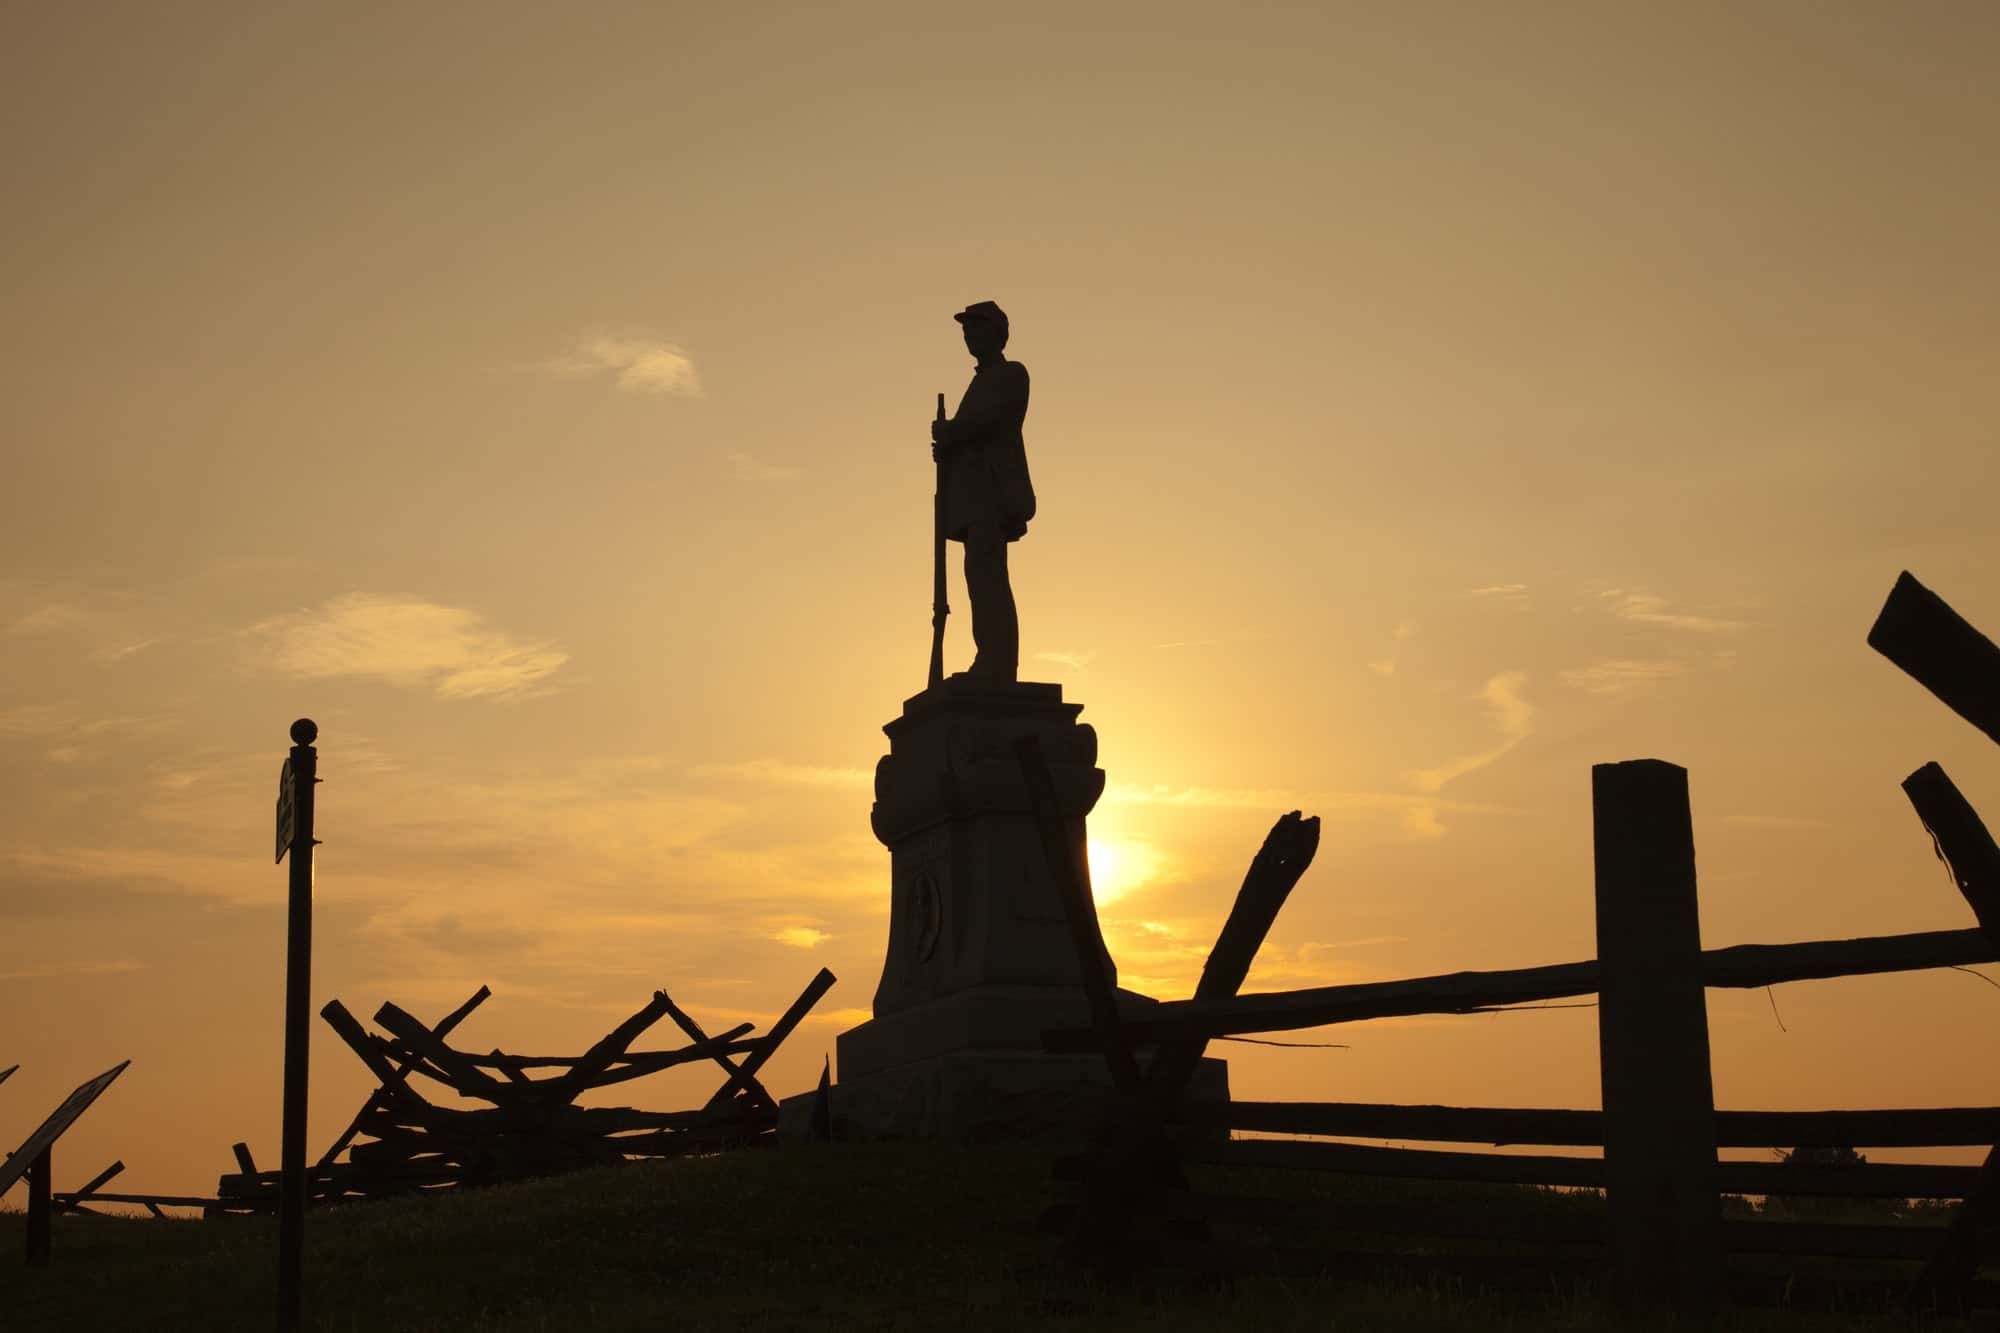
{"points": [[986, 408]]}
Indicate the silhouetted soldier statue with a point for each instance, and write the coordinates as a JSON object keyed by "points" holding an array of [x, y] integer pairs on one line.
{"points": [[985, 497]]}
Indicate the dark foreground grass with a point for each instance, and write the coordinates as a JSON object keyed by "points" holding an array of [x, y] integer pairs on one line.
{"points": [[864, 1237]]}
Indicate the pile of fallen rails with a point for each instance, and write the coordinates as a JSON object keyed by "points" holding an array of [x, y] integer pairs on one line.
{"points": [[401, 1142]]}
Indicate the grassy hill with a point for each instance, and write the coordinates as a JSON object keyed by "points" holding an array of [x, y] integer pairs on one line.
{"points": [[913, 1237]]}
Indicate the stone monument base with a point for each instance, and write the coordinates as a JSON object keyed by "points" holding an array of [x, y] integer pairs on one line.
{"points": [[973, 1097], [969, 1068]]}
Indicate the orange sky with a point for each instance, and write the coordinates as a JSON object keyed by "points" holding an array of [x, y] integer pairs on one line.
{"points": [[1430, 401]]}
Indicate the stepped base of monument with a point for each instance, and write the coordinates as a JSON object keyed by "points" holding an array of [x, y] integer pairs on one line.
{"points": [[1001, 1018], [972, 1097], [969, 1068]]}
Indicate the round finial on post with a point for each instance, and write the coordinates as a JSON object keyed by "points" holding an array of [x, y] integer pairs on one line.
{"points": [[305, 731]]}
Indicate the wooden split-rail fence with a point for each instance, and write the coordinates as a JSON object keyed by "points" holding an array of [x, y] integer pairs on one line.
{"points": [[1661, 1236], [402, 1142]]}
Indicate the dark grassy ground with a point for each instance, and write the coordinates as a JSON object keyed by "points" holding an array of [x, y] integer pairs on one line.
{"points": [[864, 1237]]}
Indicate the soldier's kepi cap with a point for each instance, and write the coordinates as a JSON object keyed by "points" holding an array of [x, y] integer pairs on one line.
{"points": [[982, 312]]}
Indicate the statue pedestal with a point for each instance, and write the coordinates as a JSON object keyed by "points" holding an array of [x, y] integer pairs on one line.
{"points": [[979, 959]]}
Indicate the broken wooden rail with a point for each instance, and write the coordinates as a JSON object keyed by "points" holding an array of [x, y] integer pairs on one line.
{"points": [[1662, 1237]]}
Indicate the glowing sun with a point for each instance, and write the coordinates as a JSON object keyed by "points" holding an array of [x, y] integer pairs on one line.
{"points": [[1120, 865]]}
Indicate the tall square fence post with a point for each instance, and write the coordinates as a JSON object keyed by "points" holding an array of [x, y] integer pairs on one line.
{"points": [[1661, 1199]]}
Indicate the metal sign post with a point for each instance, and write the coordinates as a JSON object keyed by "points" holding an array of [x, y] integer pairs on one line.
{"points": [[295, 832]]}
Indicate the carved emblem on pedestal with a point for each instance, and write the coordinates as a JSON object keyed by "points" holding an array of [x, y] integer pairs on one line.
{"points": [[926, 916]]}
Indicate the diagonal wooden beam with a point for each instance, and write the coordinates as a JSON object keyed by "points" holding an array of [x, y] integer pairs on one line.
{"points": [[7, 1072], [96, 1182], [1935, 646], [609, 1047], [73, 1201], [378, 1097], [1962, 842], [513, 1072], [394, 1081], [722, 1044], [790, 1019], [466, 1077], [1288, 849], [685, 1022]]}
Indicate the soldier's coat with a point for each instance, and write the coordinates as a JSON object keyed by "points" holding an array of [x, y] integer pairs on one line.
{"points": [[987, 466]]}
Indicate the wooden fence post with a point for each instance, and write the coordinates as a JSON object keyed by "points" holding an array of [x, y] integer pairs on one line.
{"points": [[41, 1212], [1664, 1213]]}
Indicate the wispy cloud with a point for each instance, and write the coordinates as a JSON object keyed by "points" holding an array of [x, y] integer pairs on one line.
{"points": [[1645, 608], [1509, 596], [411, 643], [638, 361], [1277, 799], [54, 618], [745, 467], [1155, 957], [1421, 822], [1619, 675], [36, 720], [1233, 637], [74, 734], [98, 968], [1512, 716], [777, 772], [1165, 957], [1074, 660], [448, 933], [118, 654], [1775, 821], [800, 937], [1311, 963], [1386, 666], [1417, 816], [1216, 798], [113, 620]]}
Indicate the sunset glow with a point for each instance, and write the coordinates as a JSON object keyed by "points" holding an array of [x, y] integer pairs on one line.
{"points": [[1430, 401], [1119, 866]]}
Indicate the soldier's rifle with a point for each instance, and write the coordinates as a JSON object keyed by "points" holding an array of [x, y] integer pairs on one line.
{"points": [[939, 610]]}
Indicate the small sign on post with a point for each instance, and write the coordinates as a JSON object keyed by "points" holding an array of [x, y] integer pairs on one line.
{"points": [[288, 810], [295, 832]]}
